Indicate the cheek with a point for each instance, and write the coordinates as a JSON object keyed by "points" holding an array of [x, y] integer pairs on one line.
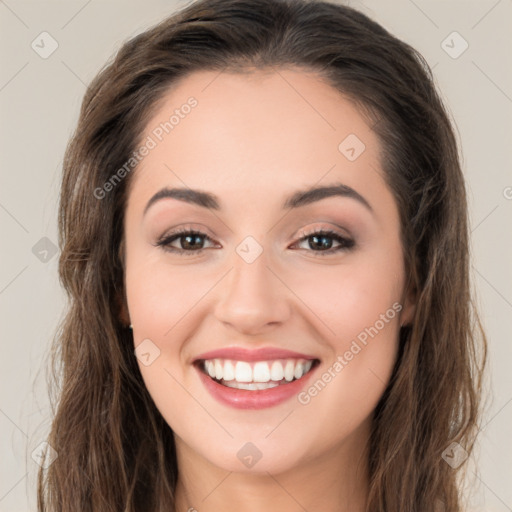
{"points": [[159, 295], [348, 298], [359, 305], [166, 304], [159, 299], [357, 309]]}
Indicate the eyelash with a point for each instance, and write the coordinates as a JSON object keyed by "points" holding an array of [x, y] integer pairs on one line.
{"points": [[164, 242]]}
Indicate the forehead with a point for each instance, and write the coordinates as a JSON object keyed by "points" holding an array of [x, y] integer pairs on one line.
{"points": [[259, 133]]}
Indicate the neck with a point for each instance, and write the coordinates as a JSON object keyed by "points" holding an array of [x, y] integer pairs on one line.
{"points": [[335, 481]]}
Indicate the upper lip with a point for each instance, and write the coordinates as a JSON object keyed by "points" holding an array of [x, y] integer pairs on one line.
{"points": [[260, 354]]}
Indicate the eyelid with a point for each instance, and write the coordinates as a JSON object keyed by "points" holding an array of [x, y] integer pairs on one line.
{"points": [[304, 232], [326, 226], [345, 242], [184, 228]]}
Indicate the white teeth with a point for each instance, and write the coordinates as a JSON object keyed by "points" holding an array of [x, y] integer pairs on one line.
{"points": [[218, 369], [229, 371], [298, 370], [289, 370], [253, 386], [265, 373], [243, 372], [261, 373], [277, 372], [210, 366]]}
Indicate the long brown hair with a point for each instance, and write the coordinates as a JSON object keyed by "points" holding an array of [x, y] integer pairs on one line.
{"points": [[115, 451]]}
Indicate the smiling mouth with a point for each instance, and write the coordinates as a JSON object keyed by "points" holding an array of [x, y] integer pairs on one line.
{"points": [[257, 375]]}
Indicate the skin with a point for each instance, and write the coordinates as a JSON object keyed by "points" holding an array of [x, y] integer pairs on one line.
{"points": [[253, 140]]}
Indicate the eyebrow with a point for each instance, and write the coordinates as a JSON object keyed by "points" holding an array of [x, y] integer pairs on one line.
{"points": [[298, 199]]}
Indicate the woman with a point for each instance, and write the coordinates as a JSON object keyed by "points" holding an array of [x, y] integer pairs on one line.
{"points": [[264, 240]]}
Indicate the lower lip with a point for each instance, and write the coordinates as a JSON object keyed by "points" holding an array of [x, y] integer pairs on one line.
{"points": [[257, 399]]}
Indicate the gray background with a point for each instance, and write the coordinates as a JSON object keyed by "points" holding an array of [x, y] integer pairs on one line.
{"points": [[39, 104]]}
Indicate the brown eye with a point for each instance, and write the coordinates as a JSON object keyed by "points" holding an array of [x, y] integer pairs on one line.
{"points": [[190, 241]]}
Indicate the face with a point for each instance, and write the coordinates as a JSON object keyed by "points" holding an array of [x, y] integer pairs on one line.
{"points": [[291, 301]]}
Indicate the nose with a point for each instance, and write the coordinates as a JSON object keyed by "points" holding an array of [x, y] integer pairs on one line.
{"points": [[253, 298]]}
